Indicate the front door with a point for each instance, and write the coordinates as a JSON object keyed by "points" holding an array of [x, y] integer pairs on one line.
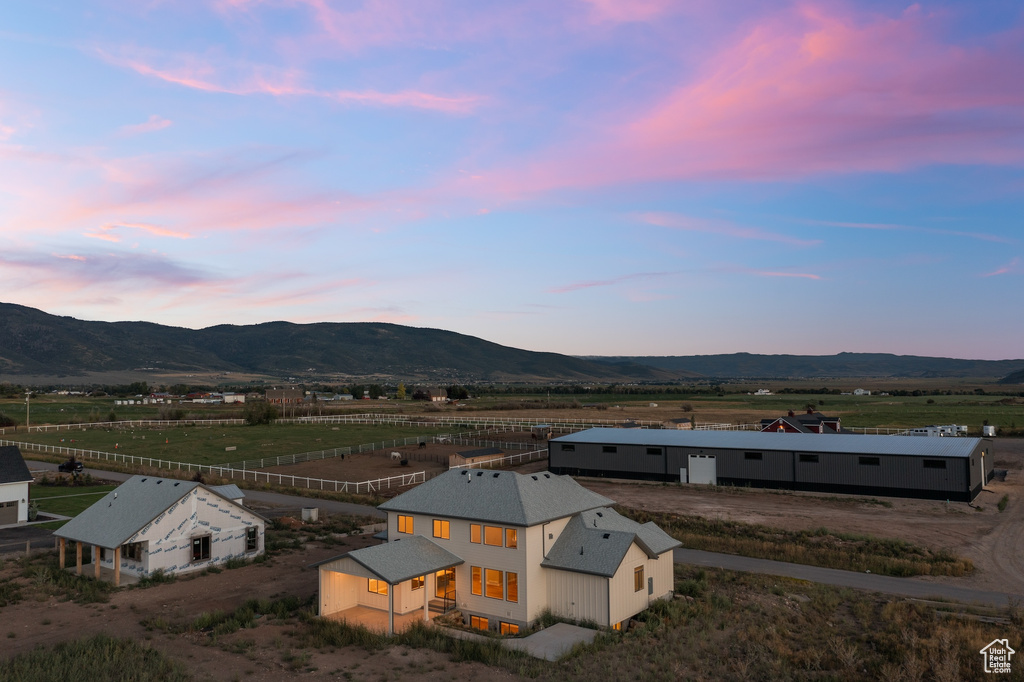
{"points": [[445, 584]]}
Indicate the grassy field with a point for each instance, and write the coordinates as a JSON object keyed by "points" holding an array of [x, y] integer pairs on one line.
{"points": [[208, 444], [67, 500]]}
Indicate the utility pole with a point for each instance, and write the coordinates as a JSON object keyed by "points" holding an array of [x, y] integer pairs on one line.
{"points": [[28, 422]]}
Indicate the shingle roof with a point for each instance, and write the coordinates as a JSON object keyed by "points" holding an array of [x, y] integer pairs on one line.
{"points": [[402, 559], [597, 540], [791, 442], [229, 491], [499, 497], [126, 510], [12, 466]]}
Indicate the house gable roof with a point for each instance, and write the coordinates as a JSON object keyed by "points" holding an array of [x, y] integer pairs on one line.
{"points": [[398, 561], [129, 508], [596, 542], [498, 496], [12, 466]]}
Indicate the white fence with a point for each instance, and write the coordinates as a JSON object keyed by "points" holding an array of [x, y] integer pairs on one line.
{"points": [[307, 482], [508, 460]]}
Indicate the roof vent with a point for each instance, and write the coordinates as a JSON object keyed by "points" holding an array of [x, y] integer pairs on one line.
{"points": [[547, 476], [144, 480], [176, 483], [607, 535], [600, 514], [479, 473], [494, 476], [533, 477], [581, 550], [463, 472], [160, 481], [595, 523]]}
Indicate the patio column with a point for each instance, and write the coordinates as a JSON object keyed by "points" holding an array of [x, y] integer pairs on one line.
{"points": [[61, 549], [78, 557], [96, 560], [426, 600], [391, 609], [117, 567]]}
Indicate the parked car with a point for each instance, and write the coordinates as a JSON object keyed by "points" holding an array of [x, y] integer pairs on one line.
{"points": [[72, 466]]}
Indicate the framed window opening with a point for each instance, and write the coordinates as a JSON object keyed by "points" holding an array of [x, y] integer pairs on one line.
{"points": [[809, 459], [611, 449], [478, 623], [934, 464], [252, 539], [753, 456], [418, 583], [654, 451], [492, 536], [638, 578], [377, 586], [405, 524], [511, 538], [568, 447], [201, 548], [512, 587], [509, 628], [131, 550], [477, 581], [869, 461], [494, 582], [474, 533]]}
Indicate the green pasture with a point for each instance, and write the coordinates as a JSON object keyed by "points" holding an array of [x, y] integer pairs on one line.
{"points": [[208, 444], [67, 500]]}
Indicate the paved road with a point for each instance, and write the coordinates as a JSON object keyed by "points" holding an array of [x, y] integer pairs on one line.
{"points": [[906, 587]]}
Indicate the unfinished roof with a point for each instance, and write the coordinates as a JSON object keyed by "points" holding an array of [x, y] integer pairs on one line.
{"points": [[596, 542], [398, 561], [128, 509], [12, 466], [790, 442], [498, 496]]}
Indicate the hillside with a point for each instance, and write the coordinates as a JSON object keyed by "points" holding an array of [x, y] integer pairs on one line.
{"points": [[849, 365], [34, 342]]}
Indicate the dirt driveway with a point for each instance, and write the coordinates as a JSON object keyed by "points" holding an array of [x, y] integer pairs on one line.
{"points": [[993, 540]]}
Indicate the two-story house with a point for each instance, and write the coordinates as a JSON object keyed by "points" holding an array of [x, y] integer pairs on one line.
{"points": [[504, 547]]}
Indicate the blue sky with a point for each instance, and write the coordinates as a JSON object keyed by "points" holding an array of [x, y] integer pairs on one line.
{"points": [[587, 177]]}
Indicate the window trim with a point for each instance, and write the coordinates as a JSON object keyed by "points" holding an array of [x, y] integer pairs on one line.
{"points": [[252, 544], [204, 553], [442, 529], [494, 577]]}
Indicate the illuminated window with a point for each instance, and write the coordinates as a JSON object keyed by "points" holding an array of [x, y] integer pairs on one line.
{"points": [[492, 535], [478, 622], [474, 533], [442, 529], [509, 628], [377, 586], [512, 586], [475, 570], [511, 538], [417, 583], [638, 578], [495, 583], [404, 524], [617, 626]]}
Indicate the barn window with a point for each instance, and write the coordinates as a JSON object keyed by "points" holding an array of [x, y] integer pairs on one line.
{"points": [[869, 461], [609, 448], [653, 451], [201, 548], [568, 447], [756, 456], [934, 464], [811, 459]]}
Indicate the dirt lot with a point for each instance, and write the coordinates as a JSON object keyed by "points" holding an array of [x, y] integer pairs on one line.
{"points": [[993, 540], [263, 653]]}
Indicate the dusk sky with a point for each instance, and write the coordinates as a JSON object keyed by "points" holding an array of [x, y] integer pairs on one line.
{"points": [[590, 177]]}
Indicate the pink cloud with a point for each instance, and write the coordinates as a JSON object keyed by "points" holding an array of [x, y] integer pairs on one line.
{"points": [[628, 11], [1004, 270], [153, 123], [678, 221], [910, 228], [810, 91], [803, 275], [5, 132], [202, 75]]}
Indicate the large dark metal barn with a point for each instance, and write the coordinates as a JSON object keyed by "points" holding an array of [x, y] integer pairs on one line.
{"points": [[898, 466]]}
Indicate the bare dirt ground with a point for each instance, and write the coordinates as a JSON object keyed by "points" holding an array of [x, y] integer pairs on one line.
{"points": [[993, 540], [267, 652]]}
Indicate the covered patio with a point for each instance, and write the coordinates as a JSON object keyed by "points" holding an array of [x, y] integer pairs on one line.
{"points": [[375, 585]]}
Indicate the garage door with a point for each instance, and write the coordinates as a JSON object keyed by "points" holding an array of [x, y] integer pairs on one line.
{"points": [[703, 469], [8, 512]]}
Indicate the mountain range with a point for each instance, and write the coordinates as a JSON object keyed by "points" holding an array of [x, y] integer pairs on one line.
{"points": [[33, 342]]}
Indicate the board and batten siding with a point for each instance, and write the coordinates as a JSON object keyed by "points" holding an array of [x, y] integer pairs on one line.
{"points": [[624, 601], [578, 596]]}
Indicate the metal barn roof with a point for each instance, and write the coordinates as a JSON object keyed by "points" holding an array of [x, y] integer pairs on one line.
{"points": [[790, 442]]}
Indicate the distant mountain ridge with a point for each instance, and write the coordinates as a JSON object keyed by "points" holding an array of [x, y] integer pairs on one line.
{"points": [[33, 342], [842, 365]]}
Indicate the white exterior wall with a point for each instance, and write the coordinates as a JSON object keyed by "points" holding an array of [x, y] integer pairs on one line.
{"points": [[624, 601], [344, 585], [539, 540], [485, 556], [16, 492], [167, 540], [578, 596]]}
